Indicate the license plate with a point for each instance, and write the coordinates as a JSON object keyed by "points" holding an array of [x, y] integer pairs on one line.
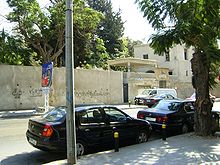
{"points": [[150, 119], [148, 101], [32, 141]]}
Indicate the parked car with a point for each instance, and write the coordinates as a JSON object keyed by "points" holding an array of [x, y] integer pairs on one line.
{"points": [[150, 101], [193, 97], [147, 93], [95, 126], [178, 115]]}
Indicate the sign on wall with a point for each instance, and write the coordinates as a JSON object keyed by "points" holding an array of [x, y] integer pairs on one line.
{"points": [[47, 74]]}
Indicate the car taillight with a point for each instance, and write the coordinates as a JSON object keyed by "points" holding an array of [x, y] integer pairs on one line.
{"points": [[140, 116], [47, 131], [161, 119]]}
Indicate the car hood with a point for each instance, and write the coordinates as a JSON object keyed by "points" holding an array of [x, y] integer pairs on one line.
{"points": [[158, 111], [142, 96]]}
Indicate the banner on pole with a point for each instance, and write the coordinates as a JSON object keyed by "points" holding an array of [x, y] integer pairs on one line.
{"points": [[47, 74]]}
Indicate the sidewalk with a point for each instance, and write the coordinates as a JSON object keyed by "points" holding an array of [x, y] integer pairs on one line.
{"points": [[18, 113], [176, 150]]}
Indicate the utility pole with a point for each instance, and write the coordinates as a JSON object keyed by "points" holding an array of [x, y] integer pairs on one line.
{"points": [[70, 117]]}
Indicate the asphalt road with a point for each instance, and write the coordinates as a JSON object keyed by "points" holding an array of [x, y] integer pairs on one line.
{"points": [[15, 150]]}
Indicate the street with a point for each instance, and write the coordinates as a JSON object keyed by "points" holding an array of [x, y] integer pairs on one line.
{"points": [[16, 150]]}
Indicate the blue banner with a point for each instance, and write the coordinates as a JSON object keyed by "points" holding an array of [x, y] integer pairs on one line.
{"points": [[47, 74]]}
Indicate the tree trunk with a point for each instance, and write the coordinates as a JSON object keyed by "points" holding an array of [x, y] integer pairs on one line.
{"points": [[203, 117]]}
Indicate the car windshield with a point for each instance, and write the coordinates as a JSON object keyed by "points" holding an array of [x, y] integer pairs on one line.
{"points": [[169, 106], [146, 92], [55, 114]]}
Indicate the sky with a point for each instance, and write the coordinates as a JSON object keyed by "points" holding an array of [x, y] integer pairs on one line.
{"points": [[136, 27]]}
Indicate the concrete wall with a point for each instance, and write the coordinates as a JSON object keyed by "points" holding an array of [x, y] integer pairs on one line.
{"points": [[20, 87]]}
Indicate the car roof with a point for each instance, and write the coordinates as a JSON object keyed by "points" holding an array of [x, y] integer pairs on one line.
{"points": [[85, 107], [89, 106], [177, 100]]}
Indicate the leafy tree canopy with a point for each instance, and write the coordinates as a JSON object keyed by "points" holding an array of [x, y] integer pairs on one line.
{"points": [[111, 27], [44, 31], [13, 51], [197, 24]]}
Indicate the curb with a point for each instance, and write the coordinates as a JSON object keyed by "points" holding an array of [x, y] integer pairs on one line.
{"points": [[18, 114]]}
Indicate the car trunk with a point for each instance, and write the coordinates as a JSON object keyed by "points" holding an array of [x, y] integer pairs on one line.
{"points": [[155, 115], [36, 127]]}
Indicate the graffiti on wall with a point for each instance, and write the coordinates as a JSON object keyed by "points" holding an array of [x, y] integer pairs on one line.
{"points": [[93, 93], [35, 92], [32, 92], [17, 93]]}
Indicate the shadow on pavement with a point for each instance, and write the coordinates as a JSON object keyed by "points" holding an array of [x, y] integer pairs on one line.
{"points": [[181, 150], [33, 158]]}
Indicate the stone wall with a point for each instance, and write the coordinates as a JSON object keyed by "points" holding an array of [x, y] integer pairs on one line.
{"points": [[20, 87]]}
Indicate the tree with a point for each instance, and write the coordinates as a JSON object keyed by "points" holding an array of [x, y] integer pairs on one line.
{"points": [[43, 31], [86, 21], [111, 27], [13, 51], [197, 24], [130, 45]]}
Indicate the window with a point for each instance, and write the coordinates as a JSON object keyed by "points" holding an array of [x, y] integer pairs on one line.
{"points": [[167, 56], [115, 115], [185, 54], [91, 116], [150, 71], [153, 92], [187, 74], [145, 56], [162, 84], [189, 107], [170, 73], [55, 114]]}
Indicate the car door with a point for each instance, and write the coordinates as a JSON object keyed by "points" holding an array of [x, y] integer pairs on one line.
{"points": [[189, 108], [119, 121], [185, 115], [91, 126]]}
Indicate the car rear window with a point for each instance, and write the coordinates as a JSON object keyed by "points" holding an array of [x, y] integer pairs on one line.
{"points": [[55, 114], [169, 106]]}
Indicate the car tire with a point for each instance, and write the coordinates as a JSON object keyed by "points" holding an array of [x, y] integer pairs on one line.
{"points": [[81, 147], [142, 137], [185, 128]]}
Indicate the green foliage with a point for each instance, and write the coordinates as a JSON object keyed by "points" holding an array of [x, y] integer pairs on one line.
{"points": [[130, 46], [194, 23], [98, 55], [43, 31], [111, 27], [86, 21], [36, 28], [13, 50]]}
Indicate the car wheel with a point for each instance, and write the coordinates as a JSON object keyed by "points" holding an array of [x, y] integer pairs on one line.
{"points": [[81, 148], [142, 137], [185, 128]]}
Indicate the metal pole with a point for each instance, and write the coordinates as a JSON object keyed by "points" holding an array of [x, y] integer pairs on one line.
{"points": [[70, 120]]}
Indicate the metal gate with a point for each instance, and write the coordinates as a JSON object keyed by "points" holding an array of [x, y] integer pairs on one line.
{"points": [[125, 92]]}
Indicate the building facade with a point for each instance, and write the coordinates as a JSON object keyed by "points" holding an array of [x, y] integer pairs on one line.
{"points": [[177, 60]]}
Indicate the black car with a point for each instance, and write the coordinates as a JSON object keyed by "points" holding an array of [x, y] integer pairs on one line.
{"points": [[95, 126], [177, 115], [151, 100]]}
